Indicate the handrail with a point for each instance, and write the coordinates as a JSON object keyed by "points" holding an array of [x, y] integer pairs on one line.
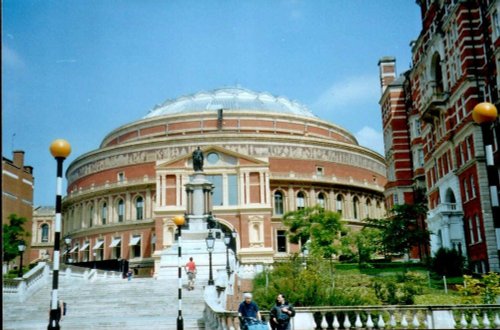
{"points": [[37, 277]]}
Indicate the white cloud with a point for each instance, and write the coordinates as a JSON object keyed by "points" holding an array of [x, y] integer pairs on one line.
{"points": [[10, 58], [351, 91], [371, 138]]}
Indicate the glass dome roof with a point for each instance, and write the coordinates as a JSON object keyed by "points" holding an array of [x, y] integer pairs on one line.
{"points": [[230, 99]]}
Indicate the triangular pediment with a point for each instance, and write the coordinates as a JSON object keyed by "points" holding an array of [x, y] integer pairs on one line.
{"points": [[214, 157]]}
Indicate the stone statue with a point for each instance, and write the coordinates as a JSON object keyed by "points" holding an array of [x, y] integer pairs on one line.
{"points": [[198, 160]]}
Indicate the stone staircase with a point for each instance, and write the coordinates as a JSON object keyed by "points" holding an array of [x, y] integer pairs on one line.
{"points": [[109, 303]]}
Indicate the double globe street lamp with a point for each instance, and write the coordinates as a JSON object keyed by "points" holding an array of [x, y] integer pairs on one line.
{"points": [[210, 240]]}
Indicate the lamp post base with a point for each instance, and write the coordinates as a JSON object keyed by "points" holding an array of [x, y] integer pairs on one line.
{"points": [[180, 323]]}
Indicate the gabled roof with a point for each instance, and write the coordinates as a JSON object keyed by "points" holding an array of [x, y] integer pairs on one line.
{"points": [[183, 161]]}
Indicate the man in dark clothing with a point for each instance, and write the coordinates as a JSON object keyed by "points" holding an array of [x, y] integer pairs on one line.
{"points": [[248, 309], [281, 314]]}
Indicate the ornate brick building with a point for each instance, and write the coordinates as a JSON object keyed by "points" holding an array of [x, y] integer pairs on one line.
{"points": [[265, 155], [428, 127], [17, 193]]}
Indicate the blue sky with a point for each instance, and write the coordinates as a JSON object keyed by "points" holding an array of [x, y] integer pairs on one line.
{"points": [[79, 69]]}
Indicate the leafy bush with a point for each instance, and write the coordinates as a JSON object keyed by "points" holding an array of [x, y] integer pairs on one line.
{"points": [[315, 285], [480, 291], [399, 290], [448, 262]]}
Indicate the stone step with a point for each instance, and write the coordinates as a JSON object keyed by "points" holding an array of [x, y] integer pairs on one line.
{"points": [[142, 303]]}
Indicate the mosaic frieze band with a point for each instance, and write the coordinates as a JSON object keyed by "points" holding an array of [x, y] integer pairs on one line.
{"points": [[279, 151]]}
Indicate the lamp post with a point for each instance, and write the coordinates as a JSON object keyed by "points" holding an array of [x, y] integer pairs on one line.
{"points": [[210, 240], [67, 241], [485, 114], [60, 149], [21, 247], [179, 222], [227, 241]]}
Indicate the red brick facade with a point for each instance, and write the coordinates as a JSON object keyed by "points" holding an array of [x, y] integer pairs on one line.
{"points": [[455, 67]]}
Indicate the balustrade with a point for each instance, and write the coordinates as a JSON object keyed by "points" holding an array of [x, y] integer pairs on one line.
{"points": [[375, 317]]}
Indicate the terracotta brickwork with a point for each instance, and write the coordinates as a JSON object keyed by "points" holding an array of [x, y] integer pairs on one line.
{"points": [[135, 183], [454, 67], [17, 193]]}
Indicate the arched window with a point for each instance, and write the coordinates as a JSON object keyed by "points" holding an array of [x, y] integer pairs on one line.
{"points": [[355, 207], [120, 210], [104, 213], [300, 200], [321, 200], [450, 196], [368, 207], [437, 74], [45, 233], [139, 208], [91, 215], [278, 203], [339, 203]]}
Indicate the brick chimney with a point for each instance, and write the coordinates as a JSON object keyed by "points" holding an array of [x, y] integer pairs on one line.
{"points": [[387, 67], [18, 158]]}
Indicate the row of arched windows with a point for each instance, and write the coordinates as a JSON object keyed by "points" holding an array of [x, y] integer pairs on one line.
{"points": [[321, 200], [86, 215]]}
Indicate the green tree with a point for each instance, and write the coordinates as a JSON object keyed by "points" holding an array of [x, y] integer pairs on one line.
{"points": [[12, 234], [366, 242], [400, 232], [316, 225]]}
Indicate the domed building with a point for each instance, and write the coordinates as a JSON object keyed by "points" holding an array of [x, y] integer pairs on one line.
{"points": [[264, 155]]}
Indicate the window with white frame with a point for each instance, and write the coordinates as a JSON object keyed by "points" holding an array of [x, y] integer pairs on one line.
{"points": [[300, 200], [116, 247], [120, 210], [99, 250], [478, 229], [45, 233], [281, 241], [339, 205], [321, 200], [355, 207], [395, 199], [368, 207], [278, 203], [135, 246], [320, 171], [216, 180], [232, 188], [473, 186], [139, 208], [104, 213], [91, 215]]}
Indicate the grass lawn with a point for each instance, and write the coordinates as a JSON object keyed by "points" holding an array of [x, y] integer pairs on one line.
{"points": [[434, 295]]}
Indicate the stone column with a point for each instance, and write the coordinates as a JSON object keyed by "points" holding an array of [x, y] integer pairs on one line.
{"points": [[262, 188]]}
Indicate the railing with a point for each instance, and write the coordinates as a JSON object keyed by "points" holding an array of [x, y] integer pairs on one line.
{"points": [[371, 317], [444, 208], [31, 282], [324, 178], [36, 278], [110, 185]]}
